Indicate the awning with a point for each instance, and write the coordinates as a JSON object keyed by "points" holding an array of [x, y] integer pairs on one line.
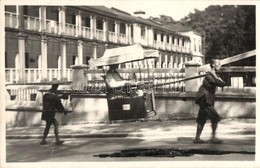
{"points": [[123, 55]]}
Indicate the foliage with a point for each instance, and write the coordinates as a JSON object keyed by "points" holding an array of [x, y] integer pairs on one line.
{"points": [[228, 30]]}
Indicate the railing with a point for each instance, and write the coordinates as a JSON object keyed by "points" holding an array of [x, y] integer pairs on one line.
{"points": [[32, 23], [122, 38], [70, 29], [86, 33], [111, 36], [34, 74], [53, 26], [99, 34], [161, 79], [11, 20]]}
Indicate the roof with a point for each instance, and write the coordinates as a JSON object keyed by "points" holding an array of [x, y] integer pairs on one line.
{"points": [[124, 16]]}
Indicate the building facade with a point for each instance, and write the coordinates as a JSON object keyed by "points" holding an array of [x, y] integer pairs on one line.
{"points": [[42, 42]]}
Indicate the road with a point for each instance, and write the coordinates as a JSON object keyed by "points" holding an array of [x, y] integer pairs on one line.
{"points": [[88, 149]]}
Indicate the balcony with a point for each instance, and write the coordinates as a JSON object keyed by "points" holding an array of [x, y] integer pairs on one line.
{"points": [[11, 20], [55, 27]]}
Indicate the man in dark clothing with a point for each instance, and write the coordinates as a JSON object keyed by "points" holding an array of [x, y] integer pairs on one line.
{"points": [[205, 99], [51, 104]]}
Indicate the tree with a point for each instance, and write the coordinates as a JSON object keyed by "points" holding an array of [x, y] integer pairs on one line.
{"points": [[229, 30]]}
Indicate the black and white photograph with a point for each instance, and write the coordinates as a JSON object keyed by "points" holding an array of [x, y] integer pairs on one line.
{"points": [[128, 83]]}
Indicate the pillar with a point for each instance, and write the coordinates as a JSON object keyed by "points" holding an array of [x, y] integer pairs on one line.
{"points": [[80, 52], [137, 33], [93, 24], [62, 20], [127, 33], [164, 41], [21, 57], [130, 32], [105, 30], [146, 36], [44, 61], [116, 31], [170, 42], [63, 60], [78, 24], [20, 21], [94, 51], [191, 70], [42, 15], [158, 40]]}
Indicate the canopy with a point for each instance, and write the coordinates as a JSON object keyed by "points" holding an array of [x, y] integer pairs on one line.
{"points": [[123, 55]]}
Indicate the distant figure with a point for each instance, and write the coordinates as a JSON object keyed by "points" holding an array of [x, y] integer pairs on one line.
{"points": [[114, 79], [205, 99], [51, 104]]}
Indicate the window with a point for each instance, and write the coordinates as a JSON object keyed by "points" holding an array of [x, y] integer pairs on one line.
{"points": [[74, 58], [99, 24], [155, 37], [142, 31], [87, 59], [162, 35], [27, 60]]}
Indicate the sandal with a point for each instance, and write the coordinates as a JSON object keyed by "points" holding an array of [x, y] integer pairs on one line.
{"points": [[199, 141]]}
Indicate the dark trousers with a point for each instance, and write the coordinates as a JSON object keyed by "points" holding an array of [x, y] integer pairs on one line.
{"points": [[47, 129]]}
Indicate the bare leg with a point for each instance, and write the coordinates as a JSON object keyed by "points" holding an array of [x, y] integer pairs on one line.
{"points": [[56, 132], [199, 131], [214, 128], [214, 139]]}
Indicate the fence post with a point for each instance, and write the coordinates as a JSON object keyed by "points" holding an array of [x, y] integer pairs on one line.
{"points": [[191, 69], [78, 77]]}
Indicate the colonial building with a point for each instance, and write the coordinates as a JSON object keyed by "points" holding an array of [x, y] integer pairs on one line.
{"points": [[42, 42]]}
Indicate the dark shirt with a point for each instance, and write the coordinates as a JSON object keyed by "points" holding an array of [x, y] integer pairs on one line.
{"points": [[208, 89], [51, 104]]}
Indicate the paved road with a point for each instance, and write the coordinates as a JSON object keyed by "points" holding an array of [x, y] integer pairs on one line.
{"points": [[84, 142], [85, 149]]}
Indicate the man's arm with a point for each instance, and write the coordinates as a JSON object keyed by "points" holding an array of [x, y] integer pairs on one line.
{"points": [[219, 82]]}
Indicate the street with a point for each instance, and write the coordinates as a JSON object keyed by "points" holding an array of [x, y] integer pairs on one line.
{"points": [[89, 149]]}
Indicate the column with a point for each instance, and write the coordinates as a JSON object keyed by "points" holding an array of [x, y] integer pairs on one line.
{"points": [[137, 33], [63, 60], [146, 36], [130, 32], [158, 40], [20, 21], [164, 41], [21, 57], [42, 15], [62, 20], [78, 24], [93, 24], [44, 61], [150, 38], [80, 52], [105, 29], [94, 51], [191, 70], [116, 31], [127, 33], [170, 42]]}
